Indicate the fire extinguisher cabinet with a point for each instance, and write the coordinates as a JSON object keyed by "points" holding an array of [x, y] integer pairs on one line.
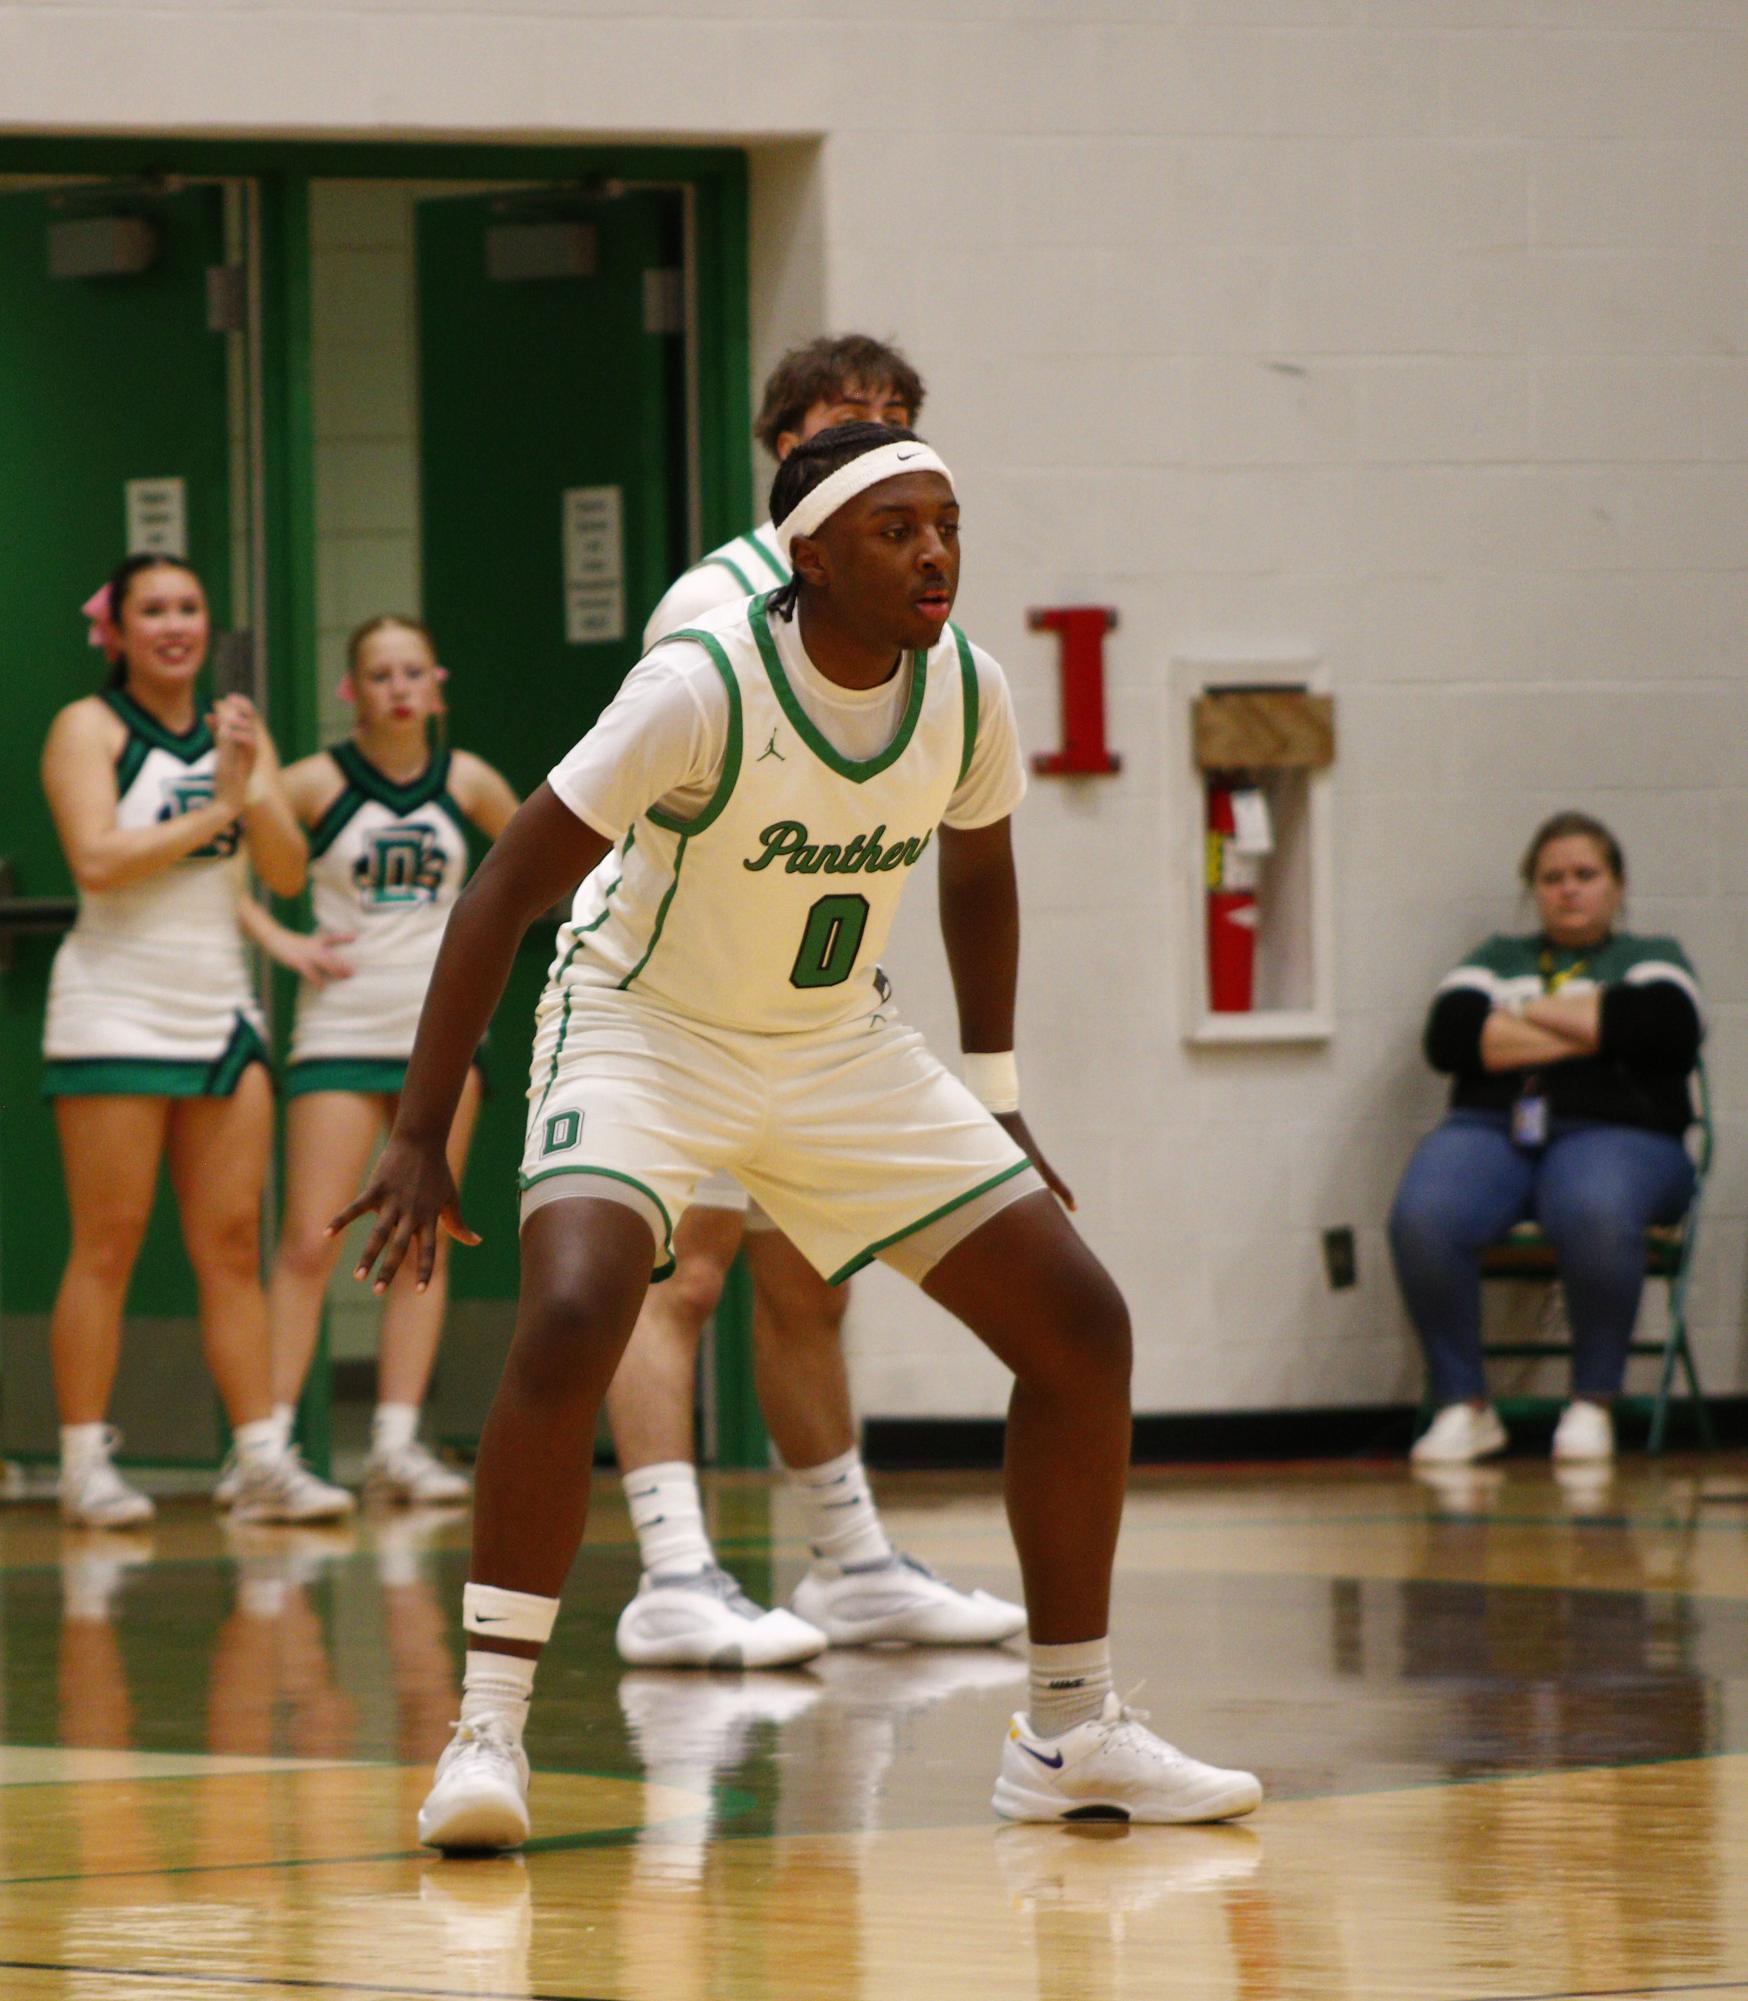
{"points": [[1255, 830]]}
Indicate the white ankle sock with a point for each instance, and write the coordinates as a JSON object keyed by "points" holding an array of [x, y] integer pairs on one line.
{"points": [[1068, 1685], [81, 1444], [258, 1444], [843, 1524], [669, 1518], [499, 1686], [285, 1418], [393, 1426]]}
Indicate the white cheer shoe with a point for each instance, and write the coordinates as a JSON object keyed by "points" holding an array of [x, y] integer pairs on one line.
{"points": [[283, 1489], [1460, 1434], [900, 1599], [703, 1619], [479, 1797], [414, 1477], [1114, 1768], [93, 1495]]}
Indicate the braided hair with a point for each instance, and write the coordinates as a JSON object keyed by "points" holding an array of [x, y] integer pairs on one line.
{"points": [[811, 464]]}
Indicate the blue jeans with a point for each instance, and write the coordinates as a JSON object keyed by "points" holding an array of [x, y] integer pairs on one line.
{"points": [[1593, 1188]]}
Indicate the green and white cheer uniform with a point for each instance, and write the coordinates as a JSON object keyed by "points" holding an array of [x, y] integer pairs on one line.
{"points": [[387, 862], [716, 1002], [150, 992]]}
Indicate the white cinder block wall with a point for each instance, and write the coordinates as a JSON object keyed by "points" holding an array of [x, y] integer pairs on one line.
{"points": [[1405, 333]]}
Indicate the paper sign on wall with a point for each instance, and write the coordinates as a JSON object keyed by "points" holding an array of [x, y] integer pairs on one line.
{"points": [[157, 517], [594, 565]]}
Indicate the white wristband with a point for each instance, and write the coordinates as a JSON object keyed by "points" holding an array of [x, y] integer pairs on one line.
{"points": [[993, 1079]]}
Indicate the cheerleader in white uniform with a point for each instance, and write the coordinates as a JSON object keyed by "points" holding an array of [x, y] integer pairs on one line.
{"points": [[153, 1045], [387, 816]]}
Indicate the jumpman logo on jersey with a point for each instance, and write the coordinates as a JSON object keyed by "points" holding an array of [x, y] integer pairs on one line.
{"points": [[771, 750]]}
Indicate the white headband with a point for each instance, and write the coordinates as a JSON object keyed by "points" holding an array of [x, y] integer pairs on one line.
{"points": [[884, 462]]}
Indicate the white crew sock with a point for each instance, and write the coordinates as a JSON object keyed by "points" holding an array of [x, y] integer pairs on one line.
{"points": [[393, 1427], [843, 1524], [669, 1518], [82, 1445], [258, 1444], [499, 1686], [285, 1418], [1068, 1685]]}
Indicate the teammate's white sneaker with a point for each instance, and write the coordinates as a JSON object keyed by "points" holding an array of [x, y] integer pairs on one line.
{"points": [[283, 1489], [1114, 1768], [479, 1796], [93, 1495], [1459, 1434], [899, 1598], [1585, 1432], [706, 1620], [415, 1477]]}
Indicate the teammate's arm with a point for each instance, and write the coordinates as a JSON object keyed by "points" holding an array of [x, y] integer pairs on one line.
{"points": [[543, 853], [980, 926]]}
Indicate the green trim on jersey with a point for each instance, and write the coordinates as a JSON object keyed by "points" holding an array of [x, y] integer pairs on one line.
{"points": [[156, 1076], [968, 694], [1507, 956], [779, 571], [868, 1256], [192, 744], [664, 1270], [734, 570], [576, 945], [661, 917], [134, 752], [803, 724], [365, 782], [731, 754]]}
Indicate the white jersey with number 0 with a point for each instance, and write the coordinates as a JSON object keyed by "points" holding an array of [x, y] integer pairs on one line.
{"points": [[766, 906]]}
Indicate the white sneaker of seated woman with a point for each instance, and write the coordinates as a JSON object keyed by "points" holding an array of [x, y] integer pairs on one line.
{"points": [[1461, 1433], [1585, 1431]]}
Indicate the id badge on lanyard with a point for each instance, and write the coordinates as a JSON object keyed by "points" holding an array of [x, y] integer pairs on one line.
{"points": [[1529, 1117]]}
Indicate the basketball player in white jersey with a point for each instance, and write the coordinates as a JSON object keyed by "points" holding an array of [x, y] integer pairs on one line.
{"points": [[387, 813], [714, 1004], [153, 1044], [688, 1612]]}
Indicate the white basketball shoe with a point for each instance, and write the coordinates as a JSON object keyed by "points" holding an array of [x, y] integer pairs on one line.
{"points": [[479, 1797], [283, 1489], [704, 1619], [93, 1495], [414, 1477], [898, 1598], [1114, 1768]]}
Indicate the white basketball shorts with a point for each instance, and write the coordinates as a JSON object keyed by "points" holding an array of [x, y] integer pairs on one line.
{"points": [[856, 1141]]}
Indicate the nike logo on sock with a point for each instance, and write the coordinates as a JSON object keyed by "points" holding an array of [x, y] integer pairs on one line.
{"points": [[1055, 1763]]}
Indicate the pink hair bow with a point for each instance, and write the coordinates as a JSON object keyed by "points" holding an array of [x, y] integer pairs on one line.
{"points": [[103, 631]]}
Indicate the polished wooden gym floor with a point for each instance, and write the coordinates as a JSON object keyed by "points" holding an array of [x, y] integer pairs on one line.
{"points": [[1503, 1723]]}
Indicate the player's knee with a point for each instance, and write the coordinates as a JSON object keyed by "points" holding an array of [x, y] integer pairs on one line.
{"points": [[556, 1359], [694, 1291], [1105, 1339]]}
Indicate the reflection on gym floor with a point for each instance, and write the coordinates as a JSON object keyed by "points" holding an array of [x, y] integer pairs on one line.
{"points": [[1503, 1722]]}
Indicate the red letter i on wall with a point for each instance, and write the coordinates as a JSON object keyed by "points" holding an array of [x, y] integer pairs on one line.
{"points": [[1081, 630]]}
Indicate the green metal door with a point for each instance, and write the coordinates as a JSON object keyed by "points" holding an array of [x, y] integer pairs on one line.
{"points": [[108, 376], [553, 487]]}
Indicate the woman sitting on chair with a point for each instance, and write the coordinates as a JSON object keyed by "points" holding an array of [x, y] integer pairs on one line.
{"points": [[1569, 1053]]}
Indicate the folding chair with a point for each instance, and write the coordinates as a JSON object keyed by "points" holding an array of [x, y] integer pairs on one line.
{"points": [[1526, 1255]]}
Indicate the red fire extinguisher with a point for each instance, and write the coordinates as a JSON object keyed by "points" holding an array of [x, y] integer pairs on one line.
{"points": [[1231, 880]]}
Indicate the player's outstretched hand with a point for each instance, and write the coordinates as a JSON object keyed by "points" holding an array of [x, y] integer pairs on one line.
{"points": [[1015, 1127], [413, 1196]]}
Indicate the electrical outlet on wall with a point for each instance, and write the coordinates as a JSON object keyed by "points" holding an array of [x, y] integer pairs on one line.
{"points": [[1340, 1260]]}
